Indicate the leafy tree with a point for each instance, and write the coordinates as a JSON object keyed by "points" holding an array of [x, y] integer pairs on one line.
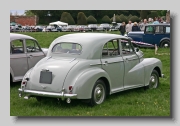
{"points": [[134, 19], [144, 14], [91, 20], [106, 19], [81, 19], [123, 18], [28, 13], [153, 14], [66, 17], [129, 17]]}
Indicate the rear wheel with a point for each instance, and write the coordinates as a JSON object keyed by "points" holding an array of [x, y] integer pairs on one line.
{"points": [[98, 93], [165, 43]]}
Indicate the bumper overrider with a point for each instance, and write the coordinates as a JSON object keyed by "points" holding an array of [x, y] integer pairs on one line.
{"points": [[61, 95]]}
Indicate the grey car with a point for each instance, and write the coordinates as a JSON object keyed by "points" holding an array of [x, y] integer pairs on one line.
{"points": [[25, 52], [90, 66]]}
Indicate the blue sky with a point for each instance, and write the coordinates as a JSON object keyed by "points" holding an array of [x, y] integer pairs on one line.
{"points": [[19, 12]]}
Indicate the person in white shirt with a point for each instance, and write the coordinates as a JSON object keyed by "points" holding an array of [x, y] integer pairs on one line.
{"points": [[129, 27]]}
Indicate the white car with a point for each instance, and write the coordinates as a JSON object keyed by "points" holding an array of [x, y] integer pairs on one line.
{"points": [[25, 52]]}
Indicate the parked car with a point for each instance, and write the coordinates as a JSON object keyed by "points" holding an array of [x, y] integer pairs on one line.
{"points": [[99, 28], [93, 27], [153, 34], [105, 26], [38, 28], [56, 28], [72, 70], [65, 29], [71, 28], [25, 52]]}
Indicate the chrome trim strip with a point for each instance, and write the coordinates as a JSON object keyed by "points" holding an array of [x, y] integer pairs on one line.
{"points": [[95, 64], [47, 94], [132, 59]]}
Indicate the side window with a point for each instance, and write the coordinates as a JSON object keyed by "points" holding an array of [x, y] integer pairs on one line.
{"points": [[111, 49], [127, 47], [167, 29], [159, 29], [149, 30], [32, 46], [16, 46]]}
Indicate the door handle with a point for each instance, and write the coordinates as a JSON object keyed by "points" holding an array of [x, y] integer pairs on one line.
{"points": [[30, 56], [105, 63]]}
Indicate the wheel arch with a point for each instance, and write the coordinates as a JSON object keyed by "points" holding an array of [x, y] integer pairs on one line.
{"points": [[107, 84], [164, 39], [158, 70]]}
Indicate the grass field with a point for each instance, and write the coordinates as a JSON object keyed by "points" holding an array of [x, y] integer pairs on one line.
{"points": [[135, 102]]}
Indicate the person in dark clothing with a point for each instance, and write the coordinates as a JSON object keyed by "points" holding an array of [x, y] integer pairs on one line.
{"points": [[122, 28], [135, 27]]}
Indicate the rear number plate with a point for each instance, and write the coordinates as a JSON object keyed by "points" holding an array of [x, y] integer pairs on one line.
{"points": [[45, 77]]}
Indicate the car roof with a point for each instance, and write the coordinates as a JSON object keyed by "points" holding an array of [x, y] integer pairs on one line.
{"points": [[91, 43], [161, 24], [14, 36]]}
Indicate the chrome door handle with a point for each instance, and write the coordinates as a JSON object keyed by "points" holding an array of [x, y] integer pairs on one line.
{"points": [[30, 56], [105, 63]]}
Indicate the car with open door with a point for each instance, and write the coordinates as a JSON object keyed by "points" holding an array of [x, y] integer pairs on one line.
{"points": [[90, 66]]}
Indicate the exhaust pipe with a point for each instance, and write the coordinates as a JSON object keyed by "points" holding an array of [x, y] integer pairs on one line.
{"points": [[68, 100]]}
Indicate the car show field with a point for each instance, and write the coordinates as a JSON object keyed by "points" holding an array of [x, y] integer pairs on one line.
{"points": [[134, 102]]}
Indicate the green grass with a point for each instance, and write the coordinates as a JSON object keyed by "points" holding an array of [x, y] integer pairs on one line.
{"points": [[135, 102]]}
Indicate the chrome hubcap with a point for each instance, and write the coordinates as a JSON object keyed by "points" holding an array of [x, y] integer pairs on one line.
{"points": [[153, 81], [99, 94]]}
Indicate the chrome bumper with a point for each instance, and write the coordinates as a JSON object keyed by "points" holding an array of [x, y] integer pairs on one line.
{"points": [[46, 94]]}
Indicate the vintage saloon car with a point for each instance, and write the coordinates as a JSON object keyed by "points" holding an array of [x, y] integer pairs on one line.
{"points": [[158, 34], [25, 52], [90, 66]]}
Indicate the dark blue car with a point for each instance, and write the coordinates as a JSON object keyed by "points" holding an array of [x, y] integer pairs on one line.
{"points": [[153, 34]]}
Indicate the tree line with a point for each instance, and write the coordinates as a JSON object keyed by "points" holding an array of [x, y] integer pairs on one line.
{"points": [[83, 17]]}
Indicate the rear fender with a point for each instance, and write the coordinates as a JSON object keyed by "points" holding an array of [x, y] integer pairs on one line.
{"points": [[84, 82]]}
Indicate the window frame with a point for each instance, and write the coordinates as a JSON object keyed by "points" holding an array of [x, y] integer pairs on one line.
{"points": [[11, 44], [35, 42], [108, 55]]}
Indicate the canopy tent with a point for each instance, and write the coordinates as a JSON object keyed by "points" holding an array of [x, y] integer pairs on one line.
{"points": [[59, 23]]}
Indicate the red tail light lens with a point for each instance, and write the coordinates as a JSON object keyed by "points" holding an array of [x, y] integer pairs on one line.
{"points": [[70, 88]]}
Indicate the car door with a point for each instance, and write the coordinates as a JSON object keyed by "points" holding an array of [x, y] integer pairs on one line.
{"points": [[18, 59], [113, 64], [159, 34], [134, 72], [148, 36], [34, 52]]}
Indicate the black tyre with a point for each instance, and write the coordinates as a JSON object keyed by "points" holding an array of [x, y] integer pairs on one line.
{"points": [[153, 80], [165, 43], [98, 93]]}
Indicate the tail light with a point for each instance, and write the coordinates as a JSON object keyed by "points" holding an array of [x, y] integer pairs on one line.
{"points": [[70, 89], [24, 82]]}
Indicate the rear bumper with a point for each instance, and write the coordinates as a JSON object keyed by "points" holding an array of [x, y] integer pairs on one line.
{"points": [[30, 93]]}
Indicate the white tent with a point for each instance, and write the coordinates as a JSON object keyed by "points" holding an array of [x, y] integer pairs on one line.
{"points": [[59, 23]]}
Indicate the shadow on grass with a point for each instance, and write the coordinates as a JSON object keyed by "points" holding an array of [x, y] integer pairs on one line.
{"points": [[55, 103]]}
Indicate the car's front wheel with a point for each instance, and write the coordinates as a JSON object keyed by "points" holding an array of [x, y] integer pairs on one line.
{"points": [[154, 80], [98, 93]]}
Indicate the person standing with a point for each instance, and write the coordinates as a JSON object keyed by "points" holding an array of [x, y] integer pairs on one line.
{"points": [[135, 27], [129, 27], [122, 28], [143, 25]]}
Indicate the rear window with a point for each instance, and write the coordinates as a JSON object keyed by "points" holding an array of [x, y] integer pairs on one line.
{"points": [[71, 48]]}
